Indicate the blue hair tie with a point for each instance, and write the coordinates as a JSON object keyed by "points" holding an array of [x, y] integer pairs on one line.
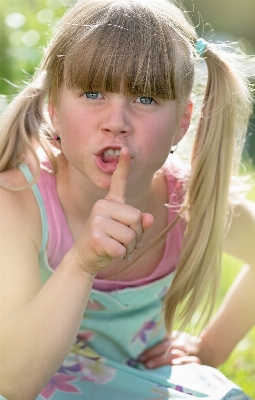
{"points": [[200, 46]]}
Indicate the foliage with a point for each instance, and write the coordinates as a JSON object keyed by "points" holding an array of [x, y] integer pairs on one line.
{"points": [[25, 28]]}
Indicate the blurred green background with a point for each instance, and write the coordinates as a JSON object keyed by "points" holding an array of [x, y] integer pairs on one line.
{"points": [[25, 28], [228, 20]]}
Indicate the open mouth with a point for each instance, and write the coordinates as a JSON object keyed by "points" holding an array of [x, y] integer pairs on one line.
{"points": [[111, 156], [107, 160]]}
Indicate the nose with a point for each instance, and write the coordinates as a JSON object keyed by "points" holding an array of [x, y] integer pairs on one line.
{"points": [[115, 119]]}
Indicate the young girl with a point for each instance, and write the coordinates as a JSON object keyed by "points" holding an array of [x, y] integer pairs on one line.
{"points": [[85, 184]]}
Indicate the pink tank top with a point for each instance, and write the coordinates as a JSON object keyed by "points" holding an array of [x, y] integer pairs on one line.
{"points": [[60, 238]]}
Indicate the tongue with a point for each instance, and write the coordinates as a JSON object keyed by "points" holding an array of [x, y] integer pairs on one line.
{"points": [[110, 159]]}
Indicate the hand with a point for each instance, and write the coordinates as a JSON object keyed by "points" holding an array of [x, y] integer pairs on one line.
{"points": [[114, 229], [179, 349]]}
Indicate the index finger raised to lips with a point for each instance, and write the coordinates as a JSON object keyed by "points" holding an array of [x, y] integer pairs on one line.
{"points": [[118, 187]]}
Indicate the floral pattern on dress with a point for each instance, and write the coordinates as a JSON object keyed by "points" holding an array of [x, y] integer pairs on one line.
{"points": [[132, 362], [97, 372], [164, 392], [142, 333], [81, 345], [94, 305], [163, 292], [85, 336], [60, 382]]}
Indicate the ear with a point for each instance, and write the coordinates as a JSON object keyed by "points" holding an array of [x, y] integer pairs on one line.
{"points": [[53, 113], [184, 122]]}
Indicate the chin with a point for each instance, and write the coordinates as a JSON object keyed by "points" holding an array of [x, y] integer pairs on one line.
{"points": [[103, 184]]}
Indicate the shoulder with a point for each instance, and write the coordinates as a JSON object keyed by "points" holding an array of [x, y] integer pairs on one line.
{"points": [[18, 208], [240, 238], [176, 176], [176, 169]]}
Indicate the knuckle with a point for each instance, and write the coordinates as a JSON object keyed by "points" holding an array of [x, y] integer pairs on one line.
{"points": [[137, 216], [99, 206], [96, 240], [98, 221], [113, 248], [131, 236], [166, 344], [119, 250]]}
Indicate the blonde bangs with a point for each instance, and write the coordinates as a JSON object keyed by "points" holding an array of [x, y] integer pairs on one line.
{"points": [[121, 54], [124, 46]]}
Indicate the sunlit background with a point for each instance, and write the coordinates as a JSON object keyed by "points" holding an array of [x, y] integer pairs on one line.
{"points": [[233, 21], [25, 27]]}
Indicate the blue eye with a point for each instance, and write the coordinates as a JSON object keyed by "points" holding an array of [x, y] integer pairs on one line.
{"points": [[145, 100], [93, 95]]}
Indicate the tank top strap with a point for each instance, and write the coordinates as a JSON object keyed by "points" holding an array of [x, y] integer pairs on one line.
{"points": [[29, 177]]}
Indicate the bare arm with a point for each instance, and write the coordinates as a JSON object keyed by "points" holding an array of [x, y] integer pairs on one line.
{"points": [[39, 324], [236, 314], [234, 319]]}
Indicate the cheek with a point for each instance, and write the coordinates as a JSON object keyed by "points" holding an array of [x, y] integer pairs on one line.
{"points": [[69, 120], [72, 137], [73, 127], [160, 138]]}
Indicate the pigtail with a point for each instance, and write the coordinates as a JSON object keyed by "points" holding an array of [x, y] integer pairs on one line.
{"points": [[216, 155], [23, 124]]}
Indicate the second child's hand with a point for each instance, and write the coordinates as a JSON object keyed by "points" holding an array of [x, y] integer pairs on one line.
{"points": [[114, 228]]}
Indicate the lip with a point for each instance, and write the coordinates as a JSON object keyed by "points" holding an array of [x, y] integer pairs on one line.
{"points": [[114, 147], [107, 168]]}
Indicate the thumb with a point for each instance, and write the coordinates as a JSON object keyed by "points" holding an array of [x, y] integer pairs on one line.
{"points": [[147, 221]]}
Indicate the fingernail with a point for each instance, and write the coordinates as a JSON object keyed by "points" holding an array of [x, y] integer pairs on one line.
{"points": [[150, 364], [128, 257], [175, 361], [138, 245]]}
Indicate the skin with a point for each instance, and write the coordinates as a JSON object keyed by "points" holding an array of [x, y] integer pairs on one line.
{"points": [[148, 130], [108, 219], [236, 315], [116, 231], [65, 294]]}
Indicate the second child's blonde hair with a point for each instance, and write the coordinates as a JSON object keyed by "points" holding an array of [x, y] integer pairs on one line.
{"points": [[147, 48]]}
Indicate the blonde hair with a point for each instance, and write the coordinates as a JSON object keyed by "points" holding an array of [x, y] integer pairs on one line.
{"points": [[147, 47]]}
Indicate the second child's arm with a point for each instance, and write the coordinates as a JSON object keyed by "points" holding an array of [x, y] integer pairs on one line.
{"points": [[236, 315], [234, 319], [39, 323]]}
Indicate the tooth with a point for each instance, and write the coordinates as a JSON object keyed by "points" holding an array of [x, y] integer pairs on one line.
{"points": [[117, 152], [109, 152]]}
